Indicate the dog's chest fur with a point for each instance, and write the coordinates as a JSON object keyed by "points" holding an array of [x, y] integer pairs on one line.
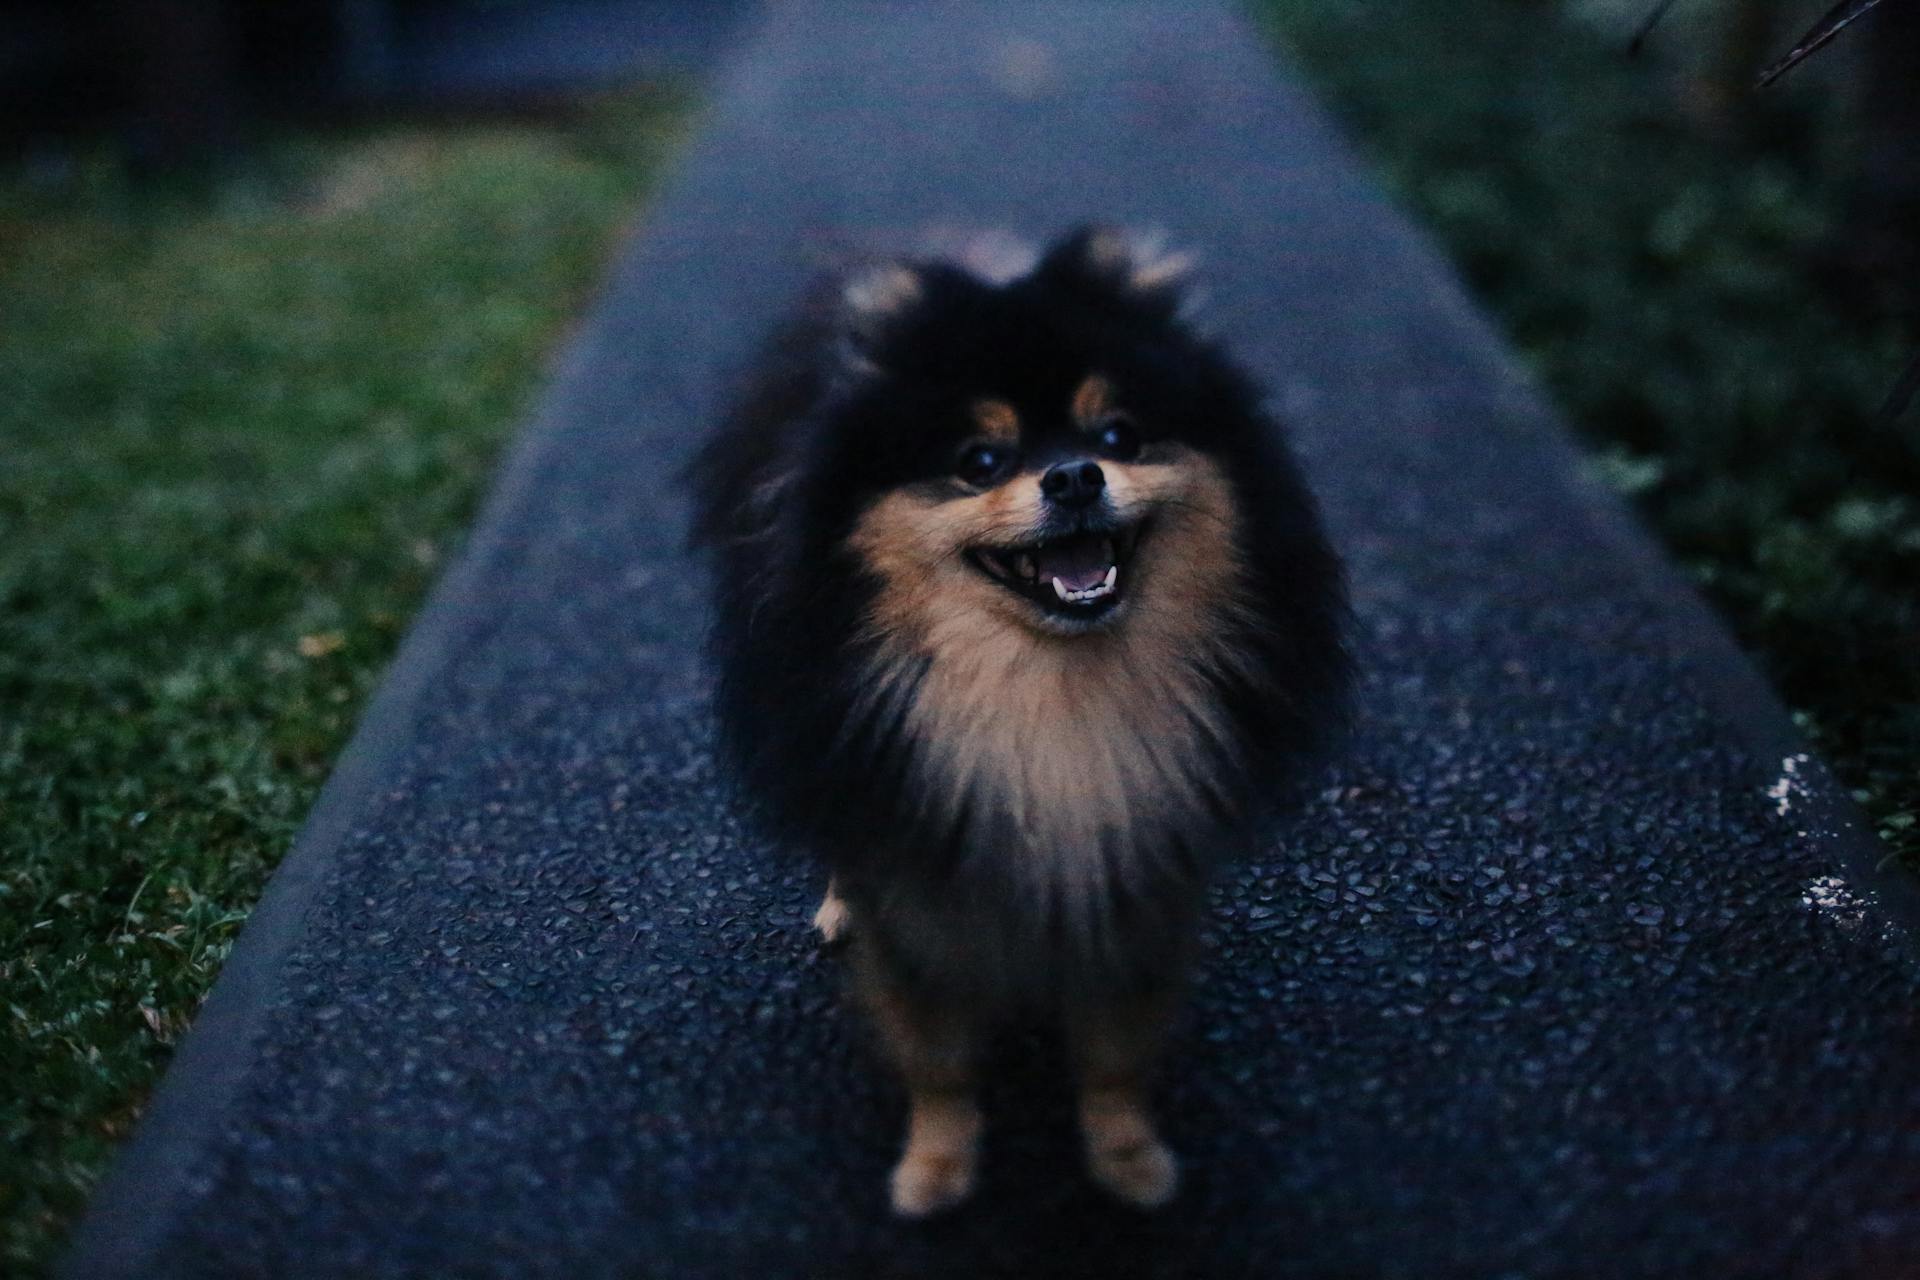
{"points": [[1069, 788], [1079, 776], [1067, 748], [1075, 763]]}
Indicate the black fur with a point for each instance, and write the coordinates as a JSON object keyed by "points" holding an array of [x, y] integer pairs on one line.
{"points": [[846, 407]]}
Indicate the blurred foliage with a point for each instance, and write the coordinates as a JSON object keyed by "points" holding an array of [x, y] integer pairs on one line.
{"points": [[241, 426], [1666, 282]]}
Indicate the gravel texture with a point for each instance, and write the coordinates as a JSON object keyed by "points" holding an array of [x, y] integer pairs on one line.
{"points": [[1572, 967]]}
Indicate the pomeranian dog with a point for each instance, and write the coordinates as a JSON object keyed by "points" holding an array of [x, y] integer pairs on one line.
{"points": [[1023, 611]]}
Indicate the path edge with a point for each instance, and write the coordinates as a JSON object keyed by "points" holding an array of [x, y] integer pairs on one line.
{"points": [[138, 1200]]}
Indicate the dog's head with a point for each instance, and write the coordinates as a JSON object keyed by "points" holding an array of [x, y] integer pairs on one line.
{"points": [[1051, 451]]}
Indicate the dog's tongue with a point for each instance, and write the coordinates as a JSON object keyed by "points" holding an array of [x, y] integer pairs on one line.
{"points": [[1080, 563]]}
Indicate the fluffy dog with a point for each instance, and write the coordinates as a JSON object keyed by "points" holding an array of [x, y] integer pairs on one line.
{"points": [[1023, 612]]}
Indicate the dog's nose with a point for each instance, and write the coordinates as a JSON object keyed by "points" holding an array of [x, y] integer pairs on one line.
{"points": [[1074, 484]]}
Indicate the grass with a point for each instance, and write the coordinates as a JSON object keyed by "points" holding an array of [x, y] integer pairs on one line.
{"points": [[241, 430], [1663, 281], [239, 433]]}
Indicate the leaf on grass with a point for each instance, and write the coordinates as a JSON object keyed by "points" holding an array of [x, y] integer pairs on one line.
{"points": [[322, 643], [1837, 19]]}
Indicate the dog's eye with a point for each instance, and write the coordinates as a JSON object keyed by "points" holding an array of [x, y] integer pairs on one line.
{"points": [[1118, 439], [983, 464]]}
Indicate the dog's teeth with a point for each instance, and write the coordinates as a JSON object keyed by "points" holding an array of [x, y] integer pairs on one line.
{"points": [[1024, 566], [1060, 589], [1113, 576]]}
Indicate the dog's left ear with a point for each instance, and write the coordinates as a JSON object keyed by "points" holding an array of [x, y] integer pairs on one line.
{"points": [[876, 300], [1135, 270]]}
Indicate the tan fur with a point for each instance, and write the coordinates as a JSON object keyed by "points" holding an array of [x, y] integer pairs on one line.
{"points": [[936, 1051], [1124, 1154], [994, 255], [937, 1167], [1143, 259], [1093, 401], [1113, 1050], [1063, 733], [834, 919], [882, 291], [997, 421]]}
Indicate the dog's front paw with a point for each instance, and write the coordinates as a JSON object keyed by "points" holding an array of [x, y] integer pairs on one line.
{"points": [[1145, 1173], [833, 920], [926, 1183]]}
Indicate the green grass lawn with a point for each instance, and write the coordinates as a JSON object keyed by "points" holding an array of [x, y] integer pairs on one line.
{"points": [[1662, 282], [239, 433]]}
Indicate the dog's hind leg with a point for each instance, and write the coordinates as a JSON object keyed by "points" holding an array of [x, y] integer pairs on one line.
{"points": [[936, 1051], [1114, 1046]]}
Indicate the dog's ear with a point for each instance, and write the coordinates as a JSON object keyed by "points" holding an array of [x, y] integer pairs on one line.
{"points": [[1136, 271], [877, 300]]}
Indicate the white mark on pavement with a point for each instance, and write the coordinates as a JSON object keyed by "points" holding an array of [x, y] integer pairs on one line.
{"points": [[1788, 785], [1830, 897]]}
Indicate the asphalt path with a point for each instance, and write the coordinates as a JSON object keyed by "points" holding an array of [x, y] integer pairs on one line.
{"points": [[1574, 966]]}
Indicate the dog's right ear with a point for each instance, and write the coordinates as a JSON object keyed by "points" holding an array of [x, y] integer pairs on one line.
{"points": [[1129, 271], [876, 300]]}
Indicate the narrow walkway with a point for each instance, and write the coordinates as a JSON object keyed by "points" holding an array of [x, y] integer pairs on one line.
{"points": [[1576, 968]]}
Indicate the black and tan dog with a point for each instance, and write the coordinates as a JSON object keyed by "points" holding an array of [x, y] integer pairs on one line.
{"points": [[1022, 609]]}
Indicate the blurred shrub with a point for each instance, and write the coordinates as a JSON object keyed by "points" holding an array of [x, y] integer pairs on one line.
{"points": [[1669, 280]]}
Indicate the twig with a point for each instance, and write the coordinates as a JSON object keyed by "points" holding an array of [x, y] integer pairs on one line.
{"points": [[126, 921], [1838, 18]]}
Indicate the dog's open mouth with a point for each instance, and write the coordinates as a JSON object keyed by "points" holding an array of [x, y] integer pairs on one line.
{"points": [[1081, 575]]}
